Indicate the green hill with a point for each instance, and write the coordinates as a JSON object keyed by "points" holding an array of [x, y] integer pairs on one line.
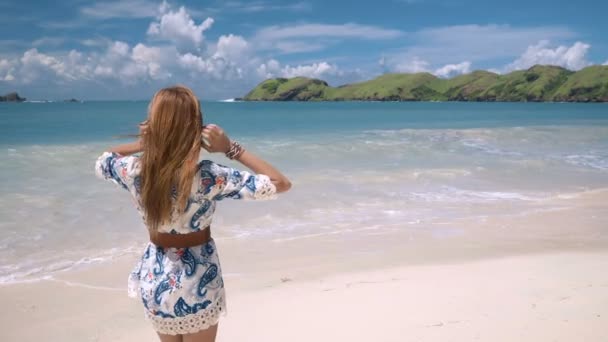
{"points": [[539, 83]]}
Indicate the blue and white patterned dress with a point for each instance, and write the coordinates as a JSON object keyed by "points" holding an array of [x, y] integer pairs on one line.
{"points": [[182, 288]]}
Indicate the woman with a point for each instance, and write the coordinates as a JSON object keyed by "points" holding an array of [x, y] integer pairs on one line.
{"points": [[179, 278]]}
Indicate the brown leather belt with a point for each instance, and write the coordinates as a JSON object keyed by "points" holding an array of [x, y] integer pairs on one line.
{"points": [[168, 240]]}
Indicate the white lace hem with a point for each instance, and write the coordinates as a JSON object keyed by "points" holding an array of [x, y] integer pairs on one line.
{"points": [[189, 324]]}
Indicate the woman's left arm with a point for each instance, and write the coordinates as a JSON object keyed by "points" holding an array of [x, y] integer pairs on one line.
{"points": [[133, 147], [115, 164], [127, 149]]}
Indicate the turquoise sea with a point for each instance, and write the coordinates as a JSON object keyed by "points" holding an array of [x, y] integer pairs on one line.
{"points": [[357, 168]]}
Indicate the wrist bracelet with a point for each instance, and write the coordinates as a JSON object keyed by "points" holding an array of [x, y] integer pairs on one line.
{"points": [[235, 151]]}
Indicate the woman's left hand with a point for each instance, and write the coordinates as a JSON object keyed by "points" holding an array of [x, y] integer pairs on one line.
{"points": [[215, 139]]}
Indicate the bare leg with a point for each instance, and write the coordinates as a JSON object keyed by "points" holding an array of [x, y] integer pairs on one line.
{"points": [[170, 338], [207, 335]]}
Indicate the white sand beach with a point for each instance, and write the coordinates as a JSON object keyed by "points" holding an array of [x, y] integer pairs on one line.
{"points": [[549, 297], [531, 284]]}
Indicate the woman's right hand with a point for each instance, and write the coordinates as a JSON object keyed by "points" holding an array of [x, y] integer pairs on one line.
{"points": [[214, 139]]}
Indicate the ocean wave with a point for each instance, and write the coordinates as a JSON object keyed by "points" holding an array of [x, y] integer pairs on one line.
{"points": [[481, 145], [36, 270], [455, 195], [597, 160]]}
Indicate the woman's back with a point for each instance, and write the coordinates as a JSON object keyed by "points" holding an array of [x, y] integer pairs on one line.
{"points": [[212, 182]]}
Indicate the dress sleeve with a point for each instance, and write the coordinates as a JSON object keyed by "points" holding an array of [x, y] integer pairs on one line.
{"points": [[235, 184], [115, 168]]}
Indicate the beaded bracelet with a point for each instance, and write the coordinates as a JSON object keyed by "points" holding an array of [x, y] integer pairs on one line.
{"points": [[235, 151]]}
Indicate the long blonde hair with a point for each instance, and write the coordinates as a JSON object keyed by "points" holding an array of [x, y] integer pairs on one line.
{"points": [[171, 146]]}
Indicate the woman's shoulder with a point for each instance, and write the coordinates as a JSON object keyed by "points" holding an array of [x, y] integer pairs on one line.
{"points": [[207, 164], [209, 167]]}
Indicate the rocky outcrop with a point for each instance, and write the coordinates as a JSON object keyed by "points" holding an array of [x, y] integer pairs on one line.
{"points": [[12, 97]]}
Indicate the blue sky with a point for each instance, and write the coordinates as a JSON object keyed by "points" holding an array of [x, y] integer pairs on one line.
{"points": [[128, 49]]}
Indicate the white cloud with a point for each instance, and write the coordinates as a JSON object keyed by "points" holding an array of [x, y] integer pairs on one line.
{"points": [[232, 48], [356, 31], [413, 65], [118, 49], [273, 68], [288, 47], [178, 27], [314, 37], [315, 70], [130, 65], [605, 63], [230, 58], [263, 6], [153, 60], [34, 65], [210, 67], [4, 65], [95, 42], [48, 41], [417, 64], [475, 43], [570, 57], [121, 9], [6, 70], [450, 70], [103, 71], [77, 66]]}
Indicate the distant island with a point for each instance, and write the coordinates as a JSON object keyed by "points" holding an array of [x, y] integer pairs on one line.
{"points": [[540, 83], [12, 97]]}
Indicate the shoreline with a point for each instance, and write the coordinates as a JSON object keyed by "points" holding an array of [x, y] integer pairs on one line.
{"points": [[567, 225]]}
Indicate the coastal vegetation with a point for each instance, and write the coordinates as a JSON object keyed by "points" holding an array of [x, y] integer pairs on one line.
{"points": [[537, 84]]}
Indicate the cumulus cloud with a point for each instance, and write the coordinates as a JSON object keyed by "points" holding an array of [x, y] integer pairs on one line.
{"points": [[413, 65], [153, 59], [6, 70], [178, 27], [605, 63], [417, 64], [231, 58], [233, 48], [315, 70], [450, 70], [570, 57], [35, 65], [130, 65], [227, 59], [210, 67], [119, 61], [273, 68]]}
